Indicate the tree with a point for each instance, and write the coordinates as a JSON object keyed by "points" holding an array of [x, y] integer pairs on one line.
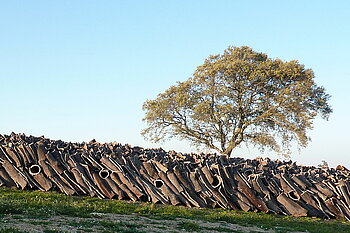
{"points": [[240, 96], [323, 165]]}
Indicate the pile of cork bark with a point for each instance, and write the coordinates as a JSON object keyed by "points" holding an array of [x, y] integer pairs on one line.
{"points": [[112, 170]]}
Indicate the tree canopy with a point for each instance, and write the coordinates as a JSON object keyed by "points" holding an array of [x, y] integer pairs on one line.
{"points": [[240, 96]]}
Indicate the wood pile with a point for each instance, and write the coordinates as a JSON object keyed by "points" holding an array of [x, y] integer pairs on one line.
{"points": [[112, 170]]}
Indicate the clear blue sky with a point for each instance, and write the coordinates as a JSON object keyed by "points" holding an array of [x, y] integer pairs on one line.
{"points": [[78, 70]]}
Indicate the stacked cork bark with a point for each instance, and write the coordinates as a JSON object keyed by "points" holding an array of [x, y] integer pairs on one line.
{"points": [[112, 170]]}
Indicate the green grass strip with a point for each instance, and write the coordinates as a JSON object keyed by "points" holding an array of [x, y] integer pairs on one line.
{"points": [[46, 204]]}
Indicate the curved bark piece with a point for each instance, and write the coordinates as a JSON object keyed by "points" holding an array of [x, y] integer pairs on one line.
{"points": [[194, 199], [31, 148], [217, 182], [32, 184], [229, 173], [314, 210], [194, 180], [274, 187], [87, 176], [322, 206], [273, 205], [67, 177], [225, 182], [130, 175], [331, 205], [140, 181], [90, 160], [248, 192], [83, 186], [292, 207], [262, 184], [171, 176], [24, 155], [288, 187], [151, 171], [154, 195], [218, 199], [120, 189], [283, 184], [104, 174], [36, 171], [54, 163], [301, 181], [146, 176], [255, 186], [164, 178], [120, 193], [17, 160], [3, 155], [229, 198], [331, 185], [32, 157], [41, 151], [211, 202], [222, 201], [291, 183], [6, 178], [188, 190], [174, 200], [159, 166], [135, 164], [45, 183], [47, 169], [344, 209], [103, 186], [62, 186], [109, 164], [243, 202], [182, 176], [132, 185], [125, 185], [203, 183], [324, 189], [344, 191], [14, 174], [208, 174], [128, 192]]}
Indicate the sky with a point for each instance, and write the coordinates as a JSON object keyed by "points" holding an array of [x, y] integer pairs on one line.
{"points": [[81, 70]]}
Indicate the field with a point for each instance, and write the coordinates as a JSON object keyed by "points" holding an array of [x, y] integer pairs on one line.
{"points": [[35, 211]]}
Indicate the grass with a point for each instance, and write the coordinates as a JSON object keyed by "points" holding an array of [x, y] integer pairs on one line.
{"points": [[10, 230], [220, 229], [189, 226], [120, 227], [42, 205]]}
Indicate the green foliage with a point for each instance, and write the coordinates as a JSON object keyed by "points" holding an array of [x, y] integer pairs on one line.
{"points": [[10, 230], [120, 227], [189, 226], [52, 231], [323, 164], [239, 96]]}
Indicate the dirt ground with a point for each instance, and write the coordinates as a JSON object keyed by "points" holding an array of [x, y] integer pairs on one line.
{"points": [[99, 222]]}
